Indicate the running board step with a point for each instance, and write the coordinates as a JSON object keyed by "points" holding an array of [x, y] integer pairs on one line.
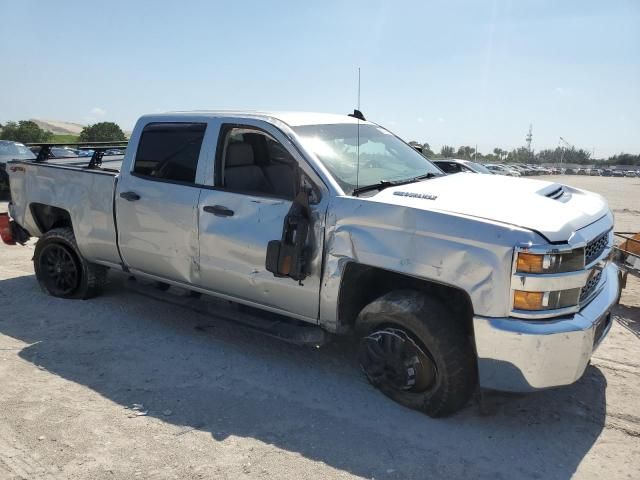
{"points": [[267, 323]]}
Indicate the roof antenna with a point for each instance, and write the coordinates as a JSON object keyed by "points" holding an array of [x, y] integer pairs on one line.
{"points": [[358, 115], [356, 112]]}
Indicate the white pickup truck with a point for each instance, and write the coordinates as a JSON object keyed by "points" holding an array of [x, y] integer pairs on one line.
{"points": [[447, 282]]}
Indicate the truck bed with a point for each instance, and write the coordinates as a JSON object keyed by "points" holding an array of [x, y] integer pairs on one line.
{"points": [[110, 163], [67, 184]]}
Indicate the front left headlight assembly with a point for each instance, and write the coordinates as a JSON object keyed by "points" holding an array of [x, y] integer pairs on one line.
{"points": [[534, 264]]}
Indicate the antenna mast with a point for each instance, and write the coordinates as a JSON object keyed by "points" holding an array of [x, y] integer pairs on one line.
{"points": [[358, 134], [359, 88]]}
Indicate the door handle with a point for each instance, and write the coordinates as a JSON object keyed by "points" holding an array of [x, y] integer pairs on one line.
{"points": [[218, 210], [130, 196]]}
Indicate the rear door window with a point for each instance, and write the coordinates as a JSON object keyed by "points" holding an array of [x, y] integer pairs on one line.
{"points": [[169, 151]]}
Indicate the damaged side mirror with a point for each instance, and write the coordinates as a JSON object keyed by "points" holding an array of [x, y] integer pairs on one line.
{"points": [[287, 257]]}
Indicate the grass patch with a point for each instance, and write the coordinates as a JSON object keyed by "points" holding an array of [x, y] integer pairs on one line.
{"points": [[64, 138]]}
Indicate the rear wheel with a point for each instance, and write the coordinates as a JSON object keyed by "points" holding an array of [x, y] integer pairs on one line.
{"points": [[414, 351], [62, 271]]}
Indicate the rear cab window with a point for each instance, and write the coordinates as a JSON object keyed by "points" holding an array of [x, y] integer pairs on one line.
{"points": [[169, 151]]}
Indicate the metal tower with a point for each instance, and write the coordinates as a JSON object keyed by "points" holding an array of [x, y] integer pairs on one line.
{"points": [[529, 137]]}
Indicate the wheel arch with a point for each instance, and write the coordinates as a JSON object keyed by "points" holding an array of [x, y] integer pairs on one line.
{"points": [[48, 217], [361, 284]]}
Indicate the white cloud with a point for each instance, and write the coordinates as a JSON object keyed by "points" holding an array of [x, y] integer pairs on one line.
{"points": [[420, 120], [98, 112], [441, 120]]}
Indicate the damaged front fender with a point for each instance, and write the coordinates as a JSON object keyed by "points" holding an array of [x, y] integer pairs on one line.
{"points": [[471, 254]]}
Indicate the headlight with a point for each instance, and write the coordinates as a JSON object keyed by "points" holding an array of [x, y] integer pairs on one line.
{"points": [[545, 300], [550, 262]]}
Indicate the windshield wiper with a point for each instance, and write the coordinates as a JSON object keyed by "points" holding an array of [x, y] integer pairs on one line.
{"points": [[391, 183], [376, 186]]}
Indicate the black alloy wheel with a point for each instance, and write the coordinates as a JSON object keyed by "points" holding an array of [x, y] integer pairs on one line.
{"points": [[60, 269], [390, 358]]}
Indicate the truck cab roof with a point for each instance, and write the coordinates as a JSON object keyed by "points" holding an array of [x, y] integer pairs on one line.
{"points": [[293, 119]]}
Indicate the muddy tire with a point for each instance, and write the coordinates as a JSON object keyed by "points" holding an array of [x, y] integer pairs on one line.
{"points": [[413, 350], [62, 271]]}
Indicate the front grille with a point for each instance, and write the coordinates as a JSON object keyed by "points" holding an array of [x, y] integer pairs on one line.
{"points": [[595, 248], [590, 286]]}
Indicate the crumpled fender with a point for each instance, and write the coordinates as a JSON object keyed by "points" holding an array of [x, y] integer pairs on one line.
{"points": [[472, 254]]}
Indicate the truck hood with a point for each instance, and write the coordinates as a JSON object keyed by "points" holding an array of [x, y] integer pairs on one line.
{"points": [[551, 209]]}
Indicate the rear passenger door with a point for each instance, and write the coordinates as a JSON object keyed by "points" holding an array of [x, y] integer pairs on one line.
{"points": [[257, 176], [157, 200]]}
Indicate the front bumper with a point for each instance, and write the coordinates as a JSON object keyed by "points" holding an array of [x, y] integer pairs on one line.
{"points": [[525, 355]]}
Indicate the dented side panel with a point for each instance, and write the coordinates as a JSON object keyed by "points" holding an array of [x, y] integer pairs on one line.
{"points": [[464, 252], [86, 196], [233, 251], [158, 234]]}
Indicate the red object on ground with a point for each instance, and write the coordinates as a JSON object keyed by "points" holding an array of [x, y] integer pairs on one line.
{"points": [[5, 229]]}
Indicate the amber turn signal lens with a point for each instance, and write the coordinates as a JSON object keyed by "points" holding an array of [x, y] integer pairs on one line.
{"points": [[530, 263], [528, 300]]}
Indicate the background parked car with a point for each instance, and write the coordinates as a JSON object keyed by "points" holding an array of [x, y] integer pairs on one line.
{"points": [[618, 173], [11, 151], [518, 168], [595, 172], [527, 169], [58, 152], [502, 170], [452, 165]]}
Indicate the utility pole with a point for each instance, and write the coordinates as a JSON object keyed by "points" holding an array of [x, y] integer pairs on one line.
{"points": [[565, 144]]}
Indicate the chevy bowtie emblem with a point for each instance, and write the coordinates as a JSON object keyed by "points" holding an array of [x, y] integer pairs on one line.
{"points": [[426, 196]]}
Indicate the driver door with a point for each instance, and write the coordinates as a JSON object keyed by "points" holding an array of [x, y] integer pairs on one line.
{"points": [[257, 176]]}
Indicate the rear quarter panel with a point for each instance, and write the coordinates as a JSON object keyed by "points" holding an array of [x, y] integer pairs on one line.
{"points": [[86, 195]]}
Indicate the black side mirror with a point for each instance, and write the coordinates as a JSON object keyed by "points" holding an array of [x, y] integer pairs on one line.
{"points": [[287, 257]]}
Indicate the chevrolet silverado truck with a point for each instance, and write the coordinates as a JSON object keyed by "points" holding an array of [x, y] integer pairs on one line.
{"points": [[446, 283]]}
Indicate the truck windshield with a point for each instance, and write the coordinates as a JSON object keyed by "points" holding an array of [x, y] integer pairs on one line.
{"points": [[383, 156]]}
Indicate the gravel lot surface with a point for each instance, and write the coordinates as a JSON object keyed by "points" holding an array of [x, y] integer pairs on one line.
{"points": [[124, 386]]}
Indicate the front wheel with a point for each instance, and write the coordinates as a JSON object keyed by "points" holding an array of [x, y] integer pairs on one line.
{"points": [[417, 353], [62, 271]]}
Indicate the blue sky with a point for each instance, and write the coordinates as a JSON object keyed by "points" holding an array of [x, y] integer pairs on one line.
{"points": [[456, 72]]}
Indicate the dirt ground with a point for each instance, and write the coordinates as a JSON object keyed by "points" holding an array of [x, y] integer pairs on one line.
{"points": [[124, 386]]}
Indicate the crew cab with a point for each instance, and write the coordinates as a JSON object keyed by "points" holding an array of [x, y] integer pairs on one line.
{"points": [[446, 283]]}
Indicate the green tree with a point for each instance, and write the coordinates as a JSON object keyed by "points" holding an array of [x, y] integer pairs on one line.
{"points": [[624, 159], [24, 131], [426, 150], [520, 155], [447, 152], [466, 152], [102, 132]]}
